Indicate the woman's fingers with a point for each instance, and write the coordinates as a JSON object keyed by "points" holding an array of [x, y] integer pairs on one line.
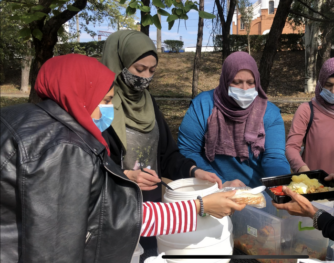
{"points": [[152, 172], [147, 179], [329, 177], [211, 177]]}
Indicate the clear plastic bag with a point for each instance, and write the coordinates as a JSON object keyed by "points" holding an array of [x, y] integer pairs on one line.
{"points": [[243, 197]]}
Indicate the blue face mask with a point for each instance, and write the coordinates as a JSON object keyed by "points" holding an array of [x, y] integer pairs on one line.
{"points": [[327, 96], [107, 116]]}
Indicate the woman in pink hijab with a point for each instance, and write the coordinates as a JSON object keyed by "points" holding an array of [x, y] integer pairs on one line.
{"points": [[233, 131], [319, 141]]}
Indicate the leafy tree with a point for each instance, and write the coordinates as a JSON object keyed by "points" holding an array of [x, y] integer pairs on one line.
{"points": [[43, 21], [245, 8], [318, 29], [11, 46], [174, 45]]}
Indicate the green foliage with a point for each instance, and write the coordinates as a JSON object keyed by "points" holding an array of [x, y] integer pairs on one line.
{"points": [[158, 3], [257, 42], [147, 20], [206, 15], [179, 11], [163, 12], [156, 21], [13, 37], [95, 12], [174, 45], [92, 48]]}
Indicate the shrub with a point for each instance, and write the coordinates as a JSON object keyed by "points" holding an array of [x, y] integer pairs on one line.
{"points": [[257, 42]]}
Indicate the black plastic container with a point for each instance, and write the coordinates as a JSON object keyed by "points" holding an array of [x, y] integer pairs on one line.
{"points": [[271, 182]]}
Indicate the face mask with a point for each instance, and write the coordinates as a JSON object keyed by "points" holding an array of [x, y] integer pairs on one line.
{"points": [[135, 82], [107, 116], [244, 98], [327, 95]]}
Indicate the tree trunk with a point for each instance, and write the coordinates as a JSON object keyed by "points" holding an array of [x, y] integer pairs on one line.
{"points": [[159, 37], [197, 59], [43, 52], [25, 70], [311, 52], [78, 28], [226, 25], [271, 46], [144, 29], [325, 51]]}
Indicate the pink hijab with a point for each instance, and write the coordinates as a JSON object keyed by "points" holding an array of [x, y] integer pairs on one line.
{"points": [[326, 71], [231, 128]]}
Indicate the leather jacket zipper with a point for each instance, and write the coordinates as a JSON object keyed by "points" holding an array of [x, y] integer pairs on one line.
{"points": [[88, 235], [141, 218]]}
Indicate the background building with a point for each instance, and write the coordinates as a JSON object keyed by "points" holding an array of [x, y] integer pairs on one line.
{"points": [[263, 16]]}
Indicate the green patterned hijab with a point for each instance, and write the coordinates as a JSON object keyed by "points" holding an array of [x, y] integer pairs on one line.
{"points": [[132, 108]]}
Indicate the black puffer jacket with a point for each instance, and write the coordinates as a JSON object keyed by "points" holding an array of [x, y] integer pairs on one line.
{"points": [[62, 198]]}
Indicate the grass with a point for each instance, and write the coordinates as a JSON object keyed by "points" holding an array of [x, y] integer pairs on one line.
{"points": [[173, 77], [174, 74], [8, 101]]}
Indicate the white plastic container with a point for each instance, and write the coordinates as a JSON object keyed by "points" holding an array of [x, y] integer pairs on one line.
{"points": [[136, 256], [271, 231], [212, 237]]}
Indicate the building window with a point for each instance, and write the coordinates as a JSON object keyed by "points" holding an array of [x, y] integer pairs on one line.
{"points": [[271, 7], [242, 25]]}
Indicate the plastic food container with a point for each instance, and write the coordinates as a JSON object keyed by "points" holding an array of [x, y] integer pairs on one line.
{"points": [[136, 256], [270, 182], [269, 231]]}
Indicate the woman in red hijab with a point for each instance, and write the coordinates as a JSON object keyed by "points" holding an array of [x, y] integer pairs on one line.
{"points": [[62, 198]]}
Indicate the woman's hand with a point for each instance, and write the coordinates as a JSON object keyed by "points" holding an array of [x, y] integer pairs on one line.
{"points": [[234, 183], [219, 204], [303, 169], [145, 181], [329, 177], [211, 177], [298, 206]]}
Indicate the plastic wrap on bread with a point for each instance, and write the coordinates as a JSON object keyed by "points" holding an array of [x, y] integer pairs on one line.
{"points": [[242, 196]]}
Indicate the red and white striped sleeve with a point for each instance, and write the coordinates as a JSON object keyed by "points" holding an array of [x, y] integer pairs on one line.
{"points": [[168, 218]]}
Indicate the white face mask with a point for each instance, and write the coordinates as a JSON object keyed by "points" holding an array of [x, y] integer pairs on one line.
{"points": [[244, 98]]}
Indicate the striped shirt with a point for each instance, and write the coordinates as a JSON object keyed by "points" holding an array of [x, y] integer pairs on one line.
{"points": [[168, 218]]}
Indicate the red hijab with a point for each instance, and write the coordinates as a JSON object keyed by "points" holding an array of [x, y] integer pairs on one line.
{"points": [[78, 84]]}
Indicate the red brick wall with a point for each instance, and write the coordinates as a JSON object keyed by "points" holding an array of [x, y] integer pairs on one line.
{"points": [[263, 23]]}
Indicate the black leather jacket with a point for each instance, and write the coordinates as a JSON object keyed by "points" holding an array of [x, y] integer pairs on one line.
{"points": [[62, 198]]}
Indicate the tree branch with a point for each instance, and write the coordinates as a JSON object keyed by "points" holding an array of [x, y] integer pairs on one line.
{"points": [[57, 21], [220, 12], [311, 17], [313, 10], [231, 12]]}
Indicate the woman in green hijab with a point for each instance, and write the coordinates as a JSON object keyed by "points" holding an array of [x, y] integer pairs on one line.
{"points": [[139, 138]]}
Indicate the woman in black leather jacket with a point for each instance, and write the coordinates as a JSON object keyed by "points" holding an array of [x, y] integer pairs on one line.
{"points": [[62, 198]]}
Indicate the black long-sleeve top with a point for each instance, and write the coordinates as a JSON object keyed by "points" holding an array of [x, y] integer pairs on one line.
{"points": [[326, 225]]}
